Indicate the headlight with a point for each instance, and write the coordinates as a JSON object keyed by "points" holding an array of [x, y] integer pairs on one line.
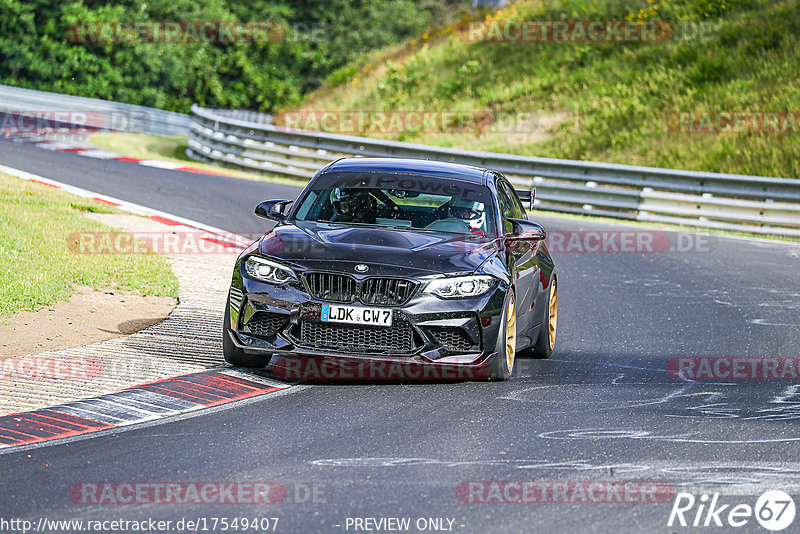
{"points": [[268, 271], [460, 286]]}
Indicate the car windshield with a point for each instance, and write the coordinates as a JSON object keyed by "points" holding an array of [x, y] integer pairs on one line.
{"points": [[399, 201]]}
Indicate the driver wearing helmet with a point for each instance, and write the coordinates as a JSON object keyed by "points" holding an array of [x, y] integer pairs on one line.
{"points": [[353, 205], [472, 213]]}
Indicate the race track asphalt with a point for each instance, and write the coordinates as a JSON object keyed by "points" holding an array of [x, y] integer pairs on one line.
{"points": [[603, 408]]}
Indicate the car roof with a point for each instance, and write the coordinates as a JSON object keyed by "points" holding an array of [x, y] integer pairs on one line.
{"points": [[425, 167]]}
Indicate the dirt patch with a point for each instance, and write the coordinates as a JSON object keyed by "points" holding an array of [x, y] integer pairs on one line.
{"points": [[538, 130], [87, 317]]}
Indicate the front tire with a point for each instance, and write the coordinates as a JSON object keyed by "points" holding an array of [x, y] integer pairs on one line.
{"points": [[233, 354], [546, 341], [503, 364]]}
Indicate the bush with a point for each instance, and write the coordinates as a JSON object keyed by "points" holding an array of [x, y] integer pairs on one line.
{"points": [[321, 37]]}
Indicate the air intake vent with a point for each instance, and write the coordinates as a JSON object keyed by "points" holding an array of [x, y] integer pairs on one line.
{"points": [[266, 323], [359, 339], [453, 339]]}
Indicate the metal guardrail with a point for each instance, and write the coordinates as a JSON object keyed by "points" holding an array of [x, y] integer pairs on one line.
{"points": [[731, 202], [96, 114]]}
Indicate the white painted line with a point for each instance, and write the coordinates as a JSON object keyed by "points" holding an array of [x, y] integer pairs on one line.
{"points": [[110, 405], [100, 154], [130, 207], [152, 417], [253, 377], [162, 164], [206, 411], [188, 229], [154, 402], [71, 409], [120, 414], [57, 146], [86, 149]]}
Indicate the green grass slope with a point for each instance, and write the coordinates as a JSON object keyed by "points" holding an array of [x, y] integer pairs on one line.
{"points": [[606, 101]]}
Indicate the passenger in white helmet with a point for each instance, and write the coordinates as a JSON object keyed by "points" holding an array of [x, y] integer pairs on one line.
{"points": [[468, 211]]}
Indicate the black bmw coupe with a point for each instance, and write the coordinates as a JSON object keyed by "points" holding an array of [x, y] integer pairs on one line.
{"points": [[418, 268]]}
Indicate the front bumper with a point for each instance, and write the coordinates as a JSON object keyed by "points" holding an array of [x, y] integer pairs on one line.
{"points": [[285, 322]]}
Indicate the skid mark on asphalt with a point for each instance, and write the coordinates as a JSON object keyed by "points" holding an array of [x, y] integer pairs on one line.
{"points": [[764, 322], [775, 299], [614, 375], [739, 402], [146, 402], [690, 437], [678, 399], [519, 394], [729, 478]]}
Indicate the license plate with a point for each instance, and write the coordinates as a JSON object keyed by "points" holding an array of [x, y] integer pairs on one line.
{"points": [[355, 315]]}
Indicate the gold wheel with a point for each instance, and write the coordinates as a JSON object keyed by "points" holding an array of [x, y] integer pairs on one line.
{"points": [[511, 333], [551, 327]]}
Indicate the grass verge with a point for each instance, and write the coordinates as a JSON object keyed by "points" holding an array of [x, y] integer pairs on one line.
{"points": [[36, 266]]}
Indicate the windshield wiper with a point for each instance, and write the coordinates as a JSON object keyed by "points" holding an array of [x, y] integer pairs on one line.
{"points": [[344, 223], [368, 225]]}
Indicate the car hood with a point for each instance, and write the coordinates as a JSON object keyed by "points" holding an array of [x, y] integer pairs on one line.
{"points": [[383, 250]]}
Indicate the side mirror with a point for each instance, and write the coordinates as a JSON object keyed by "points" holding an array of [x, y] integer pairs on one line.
{"points": [[525, 230], [272, 209], [527, 198]]}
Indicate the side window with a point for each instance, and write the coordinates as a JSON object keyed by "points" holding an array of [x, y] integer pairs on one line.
{"points": [[522, 214], [507, 206]]}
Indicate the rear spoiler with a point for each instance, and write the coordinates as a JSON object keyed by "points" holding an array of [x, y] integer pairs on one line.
{"points": [[527, 198]]}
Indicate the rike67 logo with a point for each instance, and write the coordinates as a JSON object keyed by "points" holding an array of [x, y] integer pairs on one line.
{"points": [[774, 510]]}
